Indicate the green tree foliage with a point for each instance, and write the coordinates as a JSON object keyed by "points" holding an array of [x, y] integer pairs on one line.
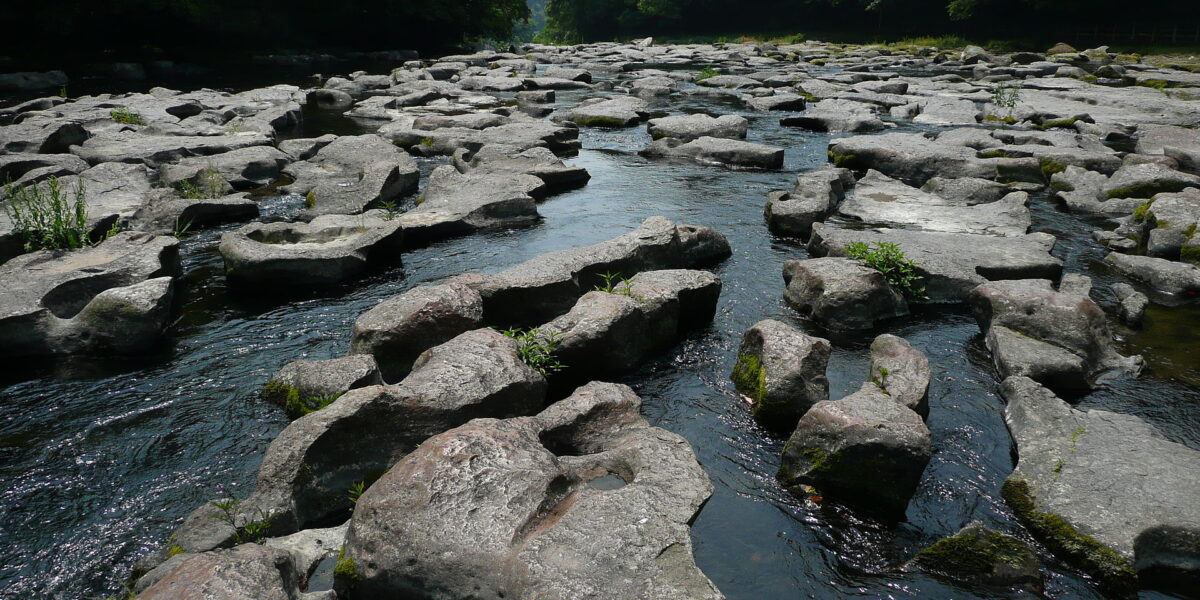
{"points": [[62, 26], [599, 20]]}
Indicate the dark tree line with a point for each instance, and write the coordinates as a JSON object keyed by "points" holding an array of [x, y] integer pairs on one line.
{"points": [[130, 27], [600, 20]]}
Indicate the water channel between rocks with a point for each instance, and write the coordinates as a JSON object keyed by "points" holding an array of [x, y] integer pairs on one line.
{"points": [[101, 459]]}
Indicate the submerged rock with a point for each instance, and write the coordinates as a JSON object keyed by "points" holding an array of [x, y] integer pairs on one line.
{"points": [[1177, 280], [978, 555], [1069, 464], [717, 151], [841, 294], [782, 371], [331, 250], [113, 298], [1057, 338], [1132, 308], [584, 499]]}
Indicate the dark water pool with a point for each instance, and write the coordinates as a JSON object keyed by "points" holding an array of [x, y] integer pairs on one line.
{"points": [[101, 459]]}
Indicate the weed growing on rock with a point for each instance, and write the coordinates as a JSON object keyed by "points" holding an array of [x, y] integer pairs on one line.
{"points": [[48, 217], [345, 567], [390, 209], [181, 229], [614, 283], [1006, 97], [706, 73], [253, 531], [881, 381], [889, 259], [211, 185], [1142, 212], [356, 490], [536, 349], [125, 116], [310, 200]]}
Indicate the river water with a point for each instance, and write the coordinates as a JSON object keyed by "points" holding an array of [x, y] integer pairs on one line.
{"points": [[100, 459]]}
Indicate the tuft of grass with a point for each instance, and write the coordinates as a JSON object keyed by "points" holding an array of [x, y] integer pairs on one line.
{"points": [[1006, 97], [248, 532], [345, 567], [175, 550], [706, 73], [125, 116], [181, 230], [310, 200], [889, 259], [355, 492], [536, 349], [390, 209], [211, 185], [942, 42], [48, 217], [1142, 212], [1050, 167]]}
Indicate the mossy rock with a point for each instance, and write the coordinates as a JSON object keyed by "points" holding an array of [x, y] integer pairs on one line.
{"points": [[1141, 190], [1190, 254], [1050, 167], [846, 161], [750, 378], [1082, 551], [977, 554], [1060, 123]]}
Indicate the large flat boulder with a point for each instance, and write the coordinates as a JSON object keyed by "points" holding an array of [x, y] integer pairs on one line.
{"points": [[881, 201], [351, 174], [690, 127], [952, 264], [331, 250], [247, 571], [153, 150], [548, 285], [457, 203], [916, 159], [837, 116], [112, 298], [42, 136], [562, 140], [1176, 281], [583, 500], [510, 160], [1068, 464], [244, 169]]}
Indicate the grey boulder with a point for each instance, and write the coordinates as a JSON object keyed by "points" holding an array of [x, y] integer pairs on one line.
{"points": [[1059, 339], [690, 127], [718, 152], [841, 294], [815, 196], [457, 203], [782, 371], [303, 386], [583, 500], [352, 173]]}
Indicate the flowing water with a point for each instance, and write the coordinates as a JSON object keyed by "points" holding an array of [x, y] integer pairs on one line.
{"points": [[100, 459]]}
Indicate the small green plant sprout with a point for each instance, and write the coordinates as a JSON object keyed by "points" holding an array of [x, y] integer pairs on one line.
{"points": [[181, 229], [252, 531], [310, 200], [706, 73], [125, 116], [112, 231], [356, 491], [614, 283], [881, 380], [211, 185], [391, 210], [889, 259], [62, 92], [536, 349], [46, 216], [1006, 97]]}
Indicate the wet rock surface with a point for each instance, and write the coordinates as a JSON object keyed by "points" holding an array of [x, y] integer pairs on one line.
{"points": [[514, 508], [1067, 458]]}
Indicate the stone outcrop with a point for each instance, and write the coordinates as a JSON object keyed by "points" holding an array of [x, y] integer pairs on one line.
{"points": [[718, 152], [841, 294], [585, 499], [782, 371]]}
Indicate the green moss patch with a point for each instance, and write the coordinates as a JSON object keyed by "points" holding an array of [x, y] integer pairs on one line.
{"points": [[1142, 212], [1064, 540], [1009, 120], [845, 161], [750, 378], [345, 569], [1060, 123], [1190, 254], [1137, 190], [974, 553], [1050, 167]]}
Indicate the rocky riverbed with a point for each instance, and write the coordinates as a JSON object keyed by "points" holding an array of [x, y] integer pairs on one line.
{"points": [[285, 365]]}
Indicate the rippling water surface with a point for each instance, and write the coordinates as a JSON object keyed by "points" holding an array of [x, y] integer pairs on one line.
{"points": [[101, 459]]}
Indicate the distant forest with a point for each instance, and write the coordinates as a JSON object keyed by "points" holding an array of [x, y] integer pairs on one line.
{"points": [[132, 28], [865, 20], [90, 30]]}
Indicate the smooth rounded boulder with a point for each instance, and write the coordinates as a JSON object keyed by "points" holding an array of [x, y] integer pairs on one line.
{"points": [[782, 371], [841, 294]]}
